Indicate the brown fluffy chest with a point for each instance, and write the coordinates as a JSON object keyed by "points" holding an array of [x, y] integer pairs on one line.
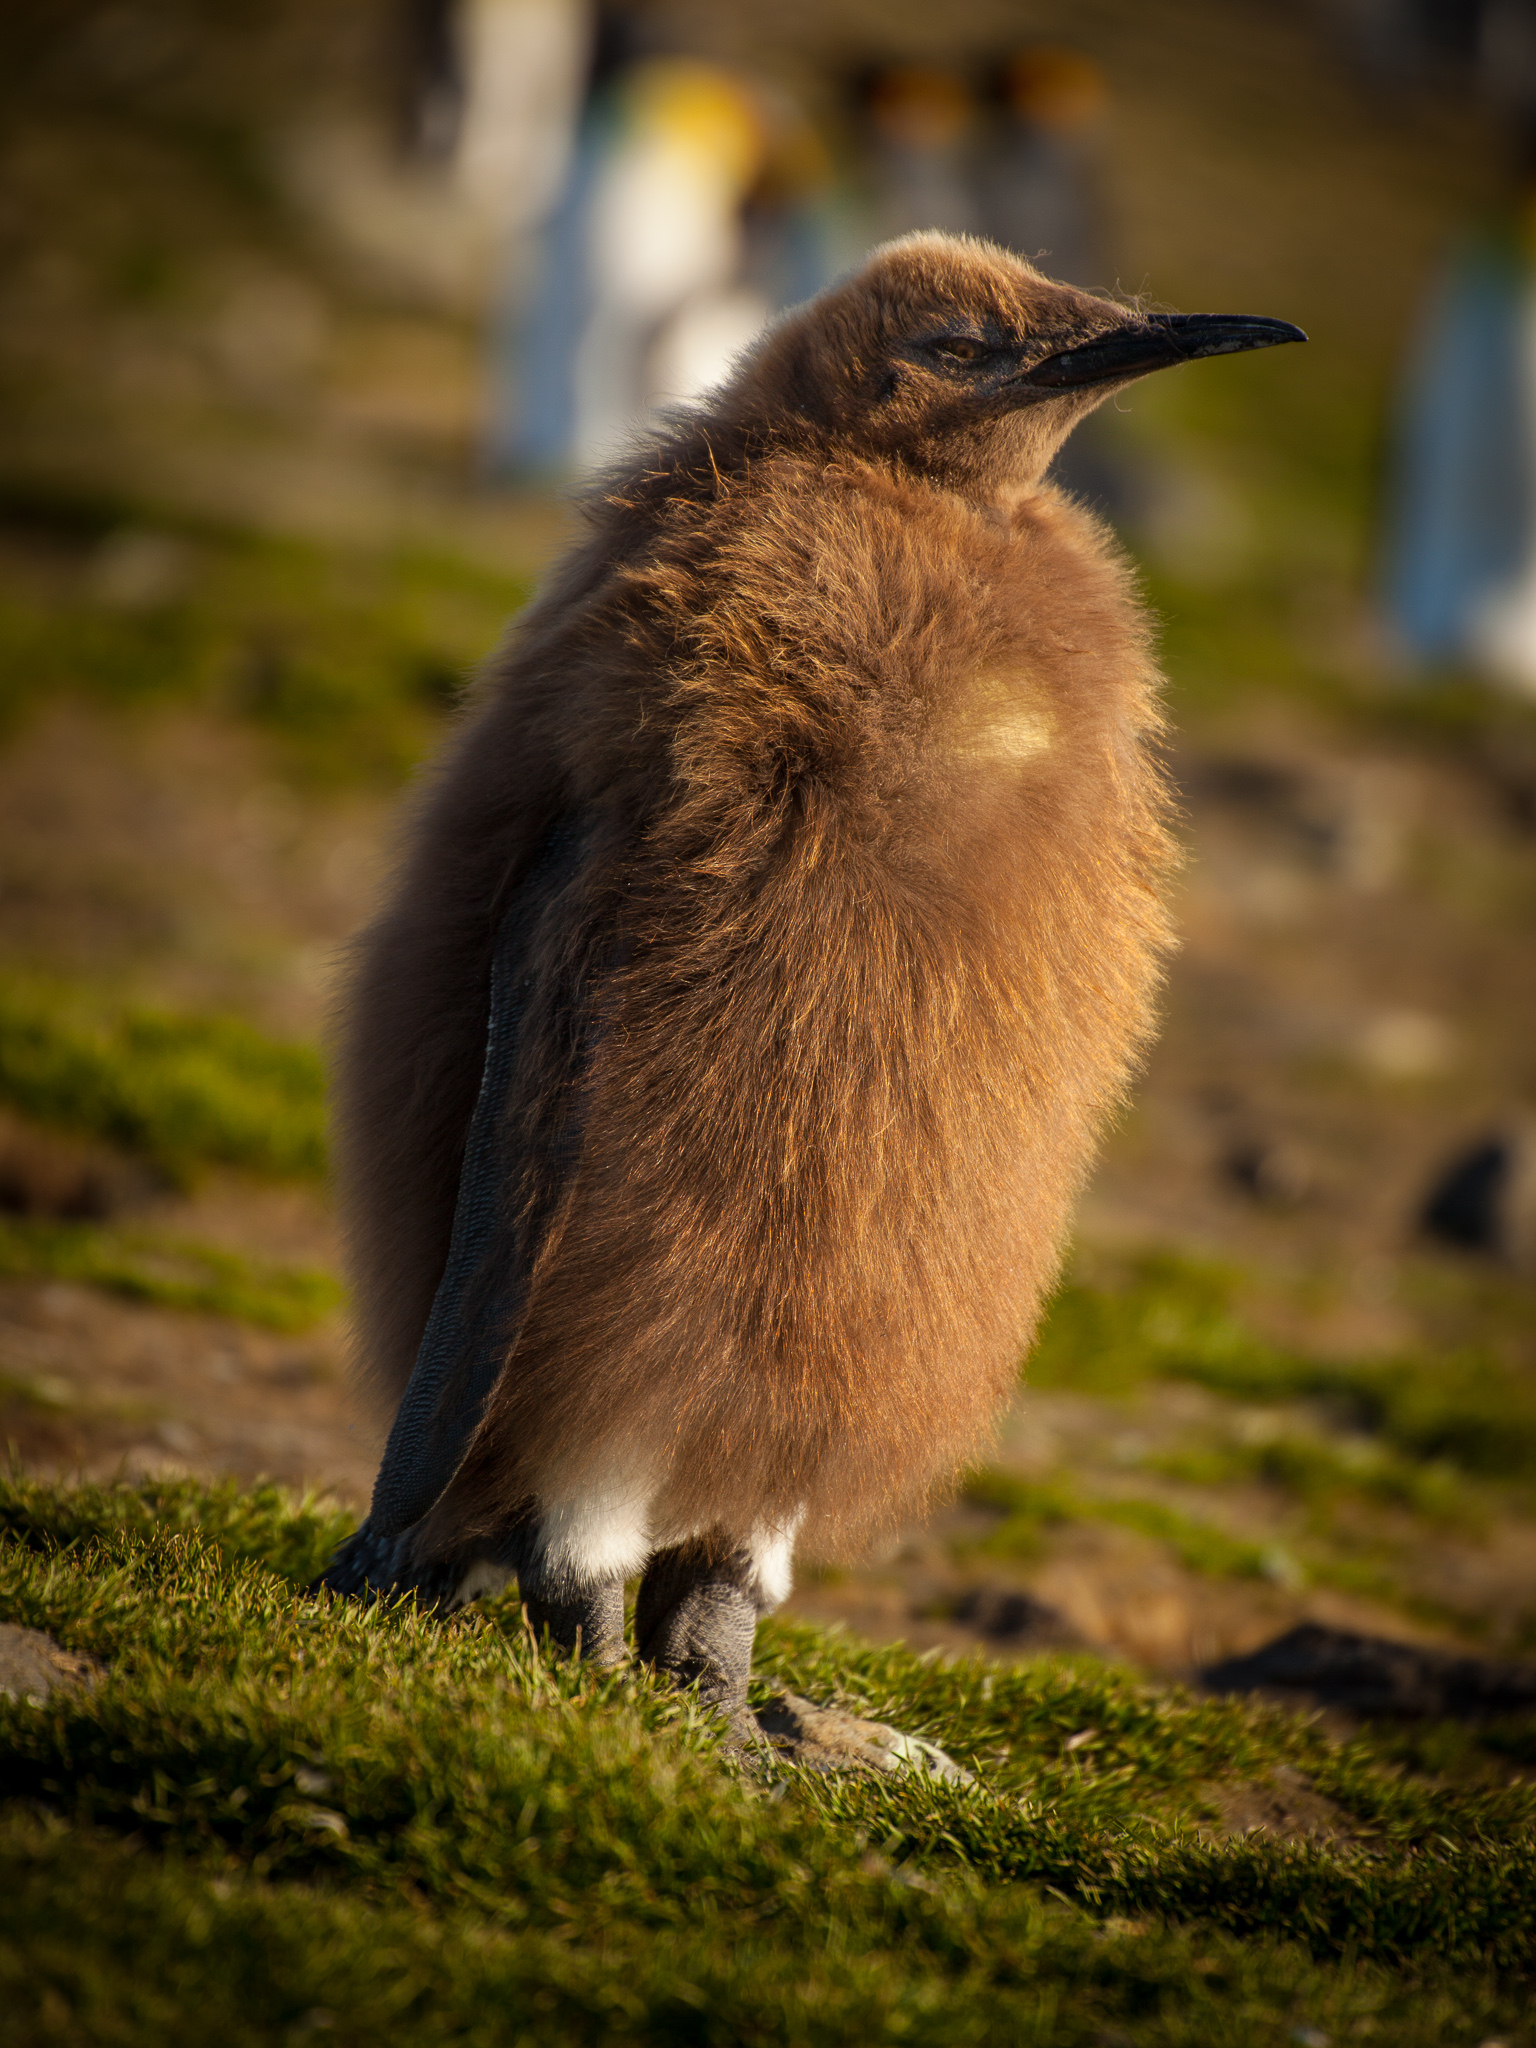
{"points": [[887, 660]]}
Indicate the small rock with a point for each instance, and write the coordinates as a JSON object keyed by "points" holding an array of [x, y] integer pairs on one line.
{"points": [[33, 1665], [1005, 1614], [1372, 1675], [1484, 1198], [827, 1739], [1269, 1170], [74, 1180]]}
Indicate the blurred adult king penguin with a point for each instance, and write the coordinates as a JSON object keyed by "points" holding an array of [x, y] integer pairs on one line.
{"points": [[771, 944]]}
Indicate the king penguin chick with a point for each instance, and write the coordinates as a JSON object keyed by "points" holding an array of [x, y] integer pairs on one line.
{"points": [[771, 944]]}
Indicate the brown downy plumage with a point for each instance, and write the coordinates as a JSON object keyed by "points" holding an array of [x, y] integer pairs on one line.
{"points": [[843, 725]]}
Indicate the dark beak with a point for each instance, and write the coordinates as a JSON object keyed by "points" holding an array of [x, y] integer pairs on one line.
{"points": [[1157, 343]]}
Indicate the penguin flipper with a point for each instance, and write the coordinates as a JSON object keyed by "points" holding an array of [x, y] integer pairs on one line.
{"points": [[370, 1567], [463, 1345]]}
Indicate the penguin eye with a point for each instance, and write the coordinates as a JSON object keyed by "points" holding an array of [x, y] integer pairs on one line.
{"points": [[959, 348]]}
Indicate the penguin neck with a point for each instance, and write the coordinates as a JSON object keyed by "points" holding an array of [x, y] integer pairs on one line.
{"points": [[997, 501]]}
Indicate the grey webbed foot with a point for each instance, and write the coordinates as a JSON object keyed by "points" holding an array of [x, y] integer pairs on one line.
{"points": [[587, 1623], [695, 1619]]}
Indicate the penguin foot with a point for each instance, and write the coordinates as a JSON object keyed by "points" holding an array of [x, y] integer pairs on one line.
{"points": [[695, 1619], [588, 1624]]}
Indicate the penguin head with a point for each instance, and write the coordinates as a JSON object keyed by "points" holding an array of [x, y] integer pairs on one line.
{"points": [[963, 363]]}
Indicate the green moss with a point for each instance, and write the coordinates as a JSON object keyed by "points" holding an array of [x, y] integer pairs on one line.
{"points": [[168, 1272], [1027, 1507], [1174, 1318], [183, 1091], [1320, 1473], [276, 1816], [1158, 1315]]}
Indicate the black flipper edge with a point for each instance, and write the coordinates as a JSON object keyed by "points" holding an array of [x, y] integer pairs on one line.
{"points": [[459, 1358]]}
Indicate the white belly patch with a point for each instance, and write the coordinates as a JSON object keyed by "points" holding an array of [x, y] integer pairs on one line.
{"points": [[600, 1533], [482, 1577]]}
